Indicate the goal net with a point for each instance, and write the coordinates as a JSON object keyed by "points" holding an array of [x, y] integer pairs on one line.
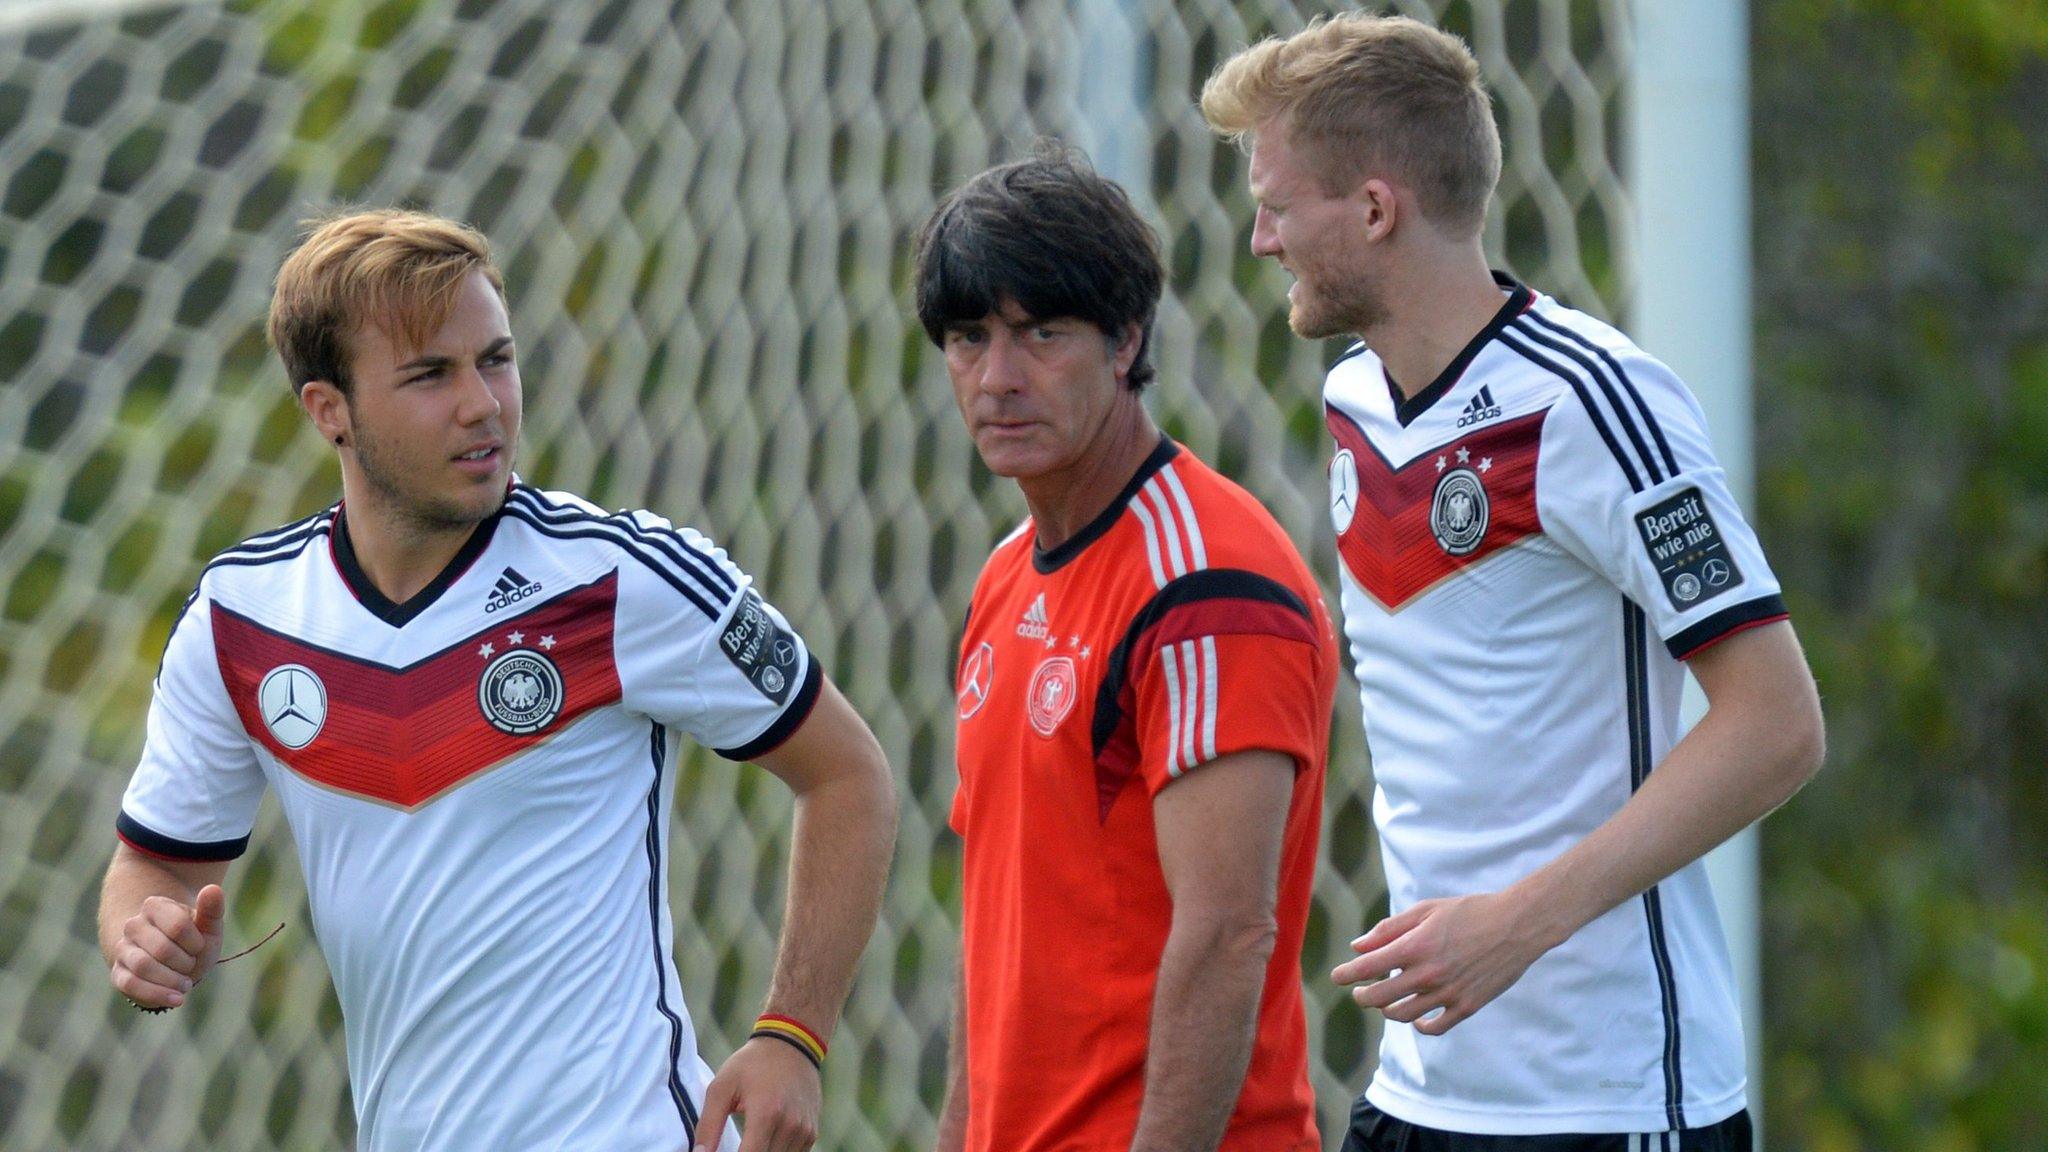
{"points": [[705, 211]]}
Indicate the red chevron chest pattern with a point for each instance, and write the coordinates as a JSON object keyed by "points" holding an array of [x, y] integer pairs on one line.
{"points": [[1389, 548], [403, 736]]}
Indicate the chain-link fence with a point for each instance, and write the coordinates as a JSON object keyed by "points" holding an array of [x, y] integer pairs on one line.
{"points": [[704, 209]]}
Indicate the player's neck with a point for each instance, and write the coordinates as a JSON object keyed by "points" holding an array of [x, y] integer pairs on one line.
{"points": [[1433, 309], [1064, 503], [400, 554]]}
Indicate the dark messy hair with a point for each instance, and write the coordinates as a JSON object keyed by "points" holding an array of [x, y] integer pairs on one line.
{"points": [[1049, 234]]}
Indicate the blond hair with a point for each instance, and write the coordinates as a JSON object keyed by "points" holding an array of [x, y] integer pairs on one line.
{"points": [[399, 270], [1358, 93]]}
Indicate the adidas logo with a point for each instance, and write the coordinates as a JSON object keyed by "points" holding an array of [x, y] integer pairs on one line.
{"points": [[1034, 625], [1482, 407], [510, 589]]}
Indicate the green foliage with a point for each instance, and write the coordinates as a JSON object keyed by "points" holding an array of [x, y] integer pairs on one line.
{"points": [[1902, 258], [1950, 993]]}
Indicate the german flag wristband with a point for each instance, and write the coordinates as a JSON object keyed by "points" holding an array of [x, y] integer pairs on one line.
{"points": [[794, 1034]]}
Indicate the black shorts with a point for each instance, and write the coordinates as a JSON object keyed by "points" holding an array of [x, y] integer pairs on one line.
{"points": [[1374, 1131]]}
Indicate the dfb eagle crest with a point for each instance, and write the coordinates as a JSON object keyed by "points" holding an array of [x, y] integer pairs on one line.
{"points": [[1458, 512], [520, 692]]}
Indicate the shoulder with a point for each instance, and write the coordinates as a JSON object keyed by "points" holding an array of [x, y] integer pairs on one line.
{"points": [[1584, 352], [1626, 401], [247, 573], [1548, 326], [265, 550], [552, 507], [680, 557], [281, 543], [565, 514], [1010, 558], [1356, 382], [1234, 528], [1014, 546]]}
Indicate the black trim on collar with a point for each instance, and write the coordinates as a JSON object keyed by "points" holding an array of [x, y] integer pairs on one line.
{"points": [[380, 605], [1048, 562], [1518, 301]]}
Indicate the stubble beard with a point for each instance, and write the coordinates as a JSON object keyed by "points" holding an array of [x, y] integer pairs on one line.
{"points": [[424, 515], [1346, 305]]}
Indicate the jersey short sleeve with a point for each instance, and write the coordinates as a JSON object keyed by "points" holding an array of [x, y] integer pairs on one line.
{"points": [[1223, 661], [1627, 481], [698, 648], [195, 792]]}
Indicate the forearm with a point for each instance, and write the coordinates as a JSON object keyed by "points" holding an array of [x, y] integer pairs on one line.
{"points": [[843, 836], [1726, 774], [840, 842], [1204, 1018], [953, 1115], [1436, 962], [133, 878]]}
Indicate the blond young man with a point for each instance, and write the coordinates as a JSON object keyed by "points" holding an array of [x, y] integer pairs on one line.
{"points": [[465, 693], [1525, 504]]}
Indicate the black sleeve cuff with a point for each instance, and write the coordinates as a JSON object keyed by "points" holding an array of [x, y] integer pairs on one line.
{"points": [[150, 842], [785, 725], [1726, 622]]}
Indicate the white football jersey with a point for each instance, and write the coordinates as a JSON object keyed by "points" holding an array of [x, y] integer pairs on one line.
{"points": [[478, 782], [1530, 546]]}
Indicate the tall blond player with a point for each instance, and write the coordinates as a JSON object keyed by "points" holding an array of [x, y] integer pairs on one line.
{"points": [[1535, 544]]}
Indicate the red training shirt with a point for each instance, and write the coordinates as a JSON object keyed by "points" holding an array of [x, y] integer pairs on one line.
{"points": [[1180, 626]]}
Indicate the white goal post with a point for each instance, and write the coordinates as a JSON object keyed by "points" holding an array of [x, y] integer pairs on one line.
{"points": [[1689, 175]]}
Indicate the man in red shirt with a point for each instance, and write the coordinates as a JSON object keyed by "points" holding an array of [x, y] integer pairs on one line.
{"points": [[1144, 707]]}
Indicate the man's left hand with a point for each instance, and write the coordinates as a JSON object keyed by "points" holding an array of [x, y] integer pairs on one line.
{"points": [[774, 1089], [1454, 955]]}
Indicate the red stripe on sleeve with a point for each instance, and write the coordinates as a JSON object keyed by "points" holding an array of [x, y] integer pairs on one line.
{"points": [[1738, 629]]}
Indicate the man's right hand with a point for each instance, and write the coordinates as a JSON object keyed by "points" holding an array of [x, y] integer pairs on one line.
{"points": [[168, 947]]}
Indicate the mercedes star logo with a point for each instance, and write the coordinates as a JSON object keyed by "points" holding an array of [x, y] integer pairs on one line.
{"points": [[974, 680], [294, 704], [1343, 490]]}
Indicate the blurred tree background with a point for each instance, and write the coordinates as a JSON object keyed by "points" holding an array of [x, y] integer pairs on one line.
{"points": [[1901, 238]]}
